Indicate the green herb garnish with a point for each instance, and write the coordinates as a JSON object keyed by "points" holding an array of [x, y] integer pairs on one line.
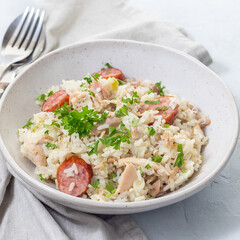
{"points": [[115, 138], [51, 145], [29, 123], [184, 170], [108, 65], [54, 123], [120, 82], [41, 97], [82, 84], [179, 161], [166, 125], [135, 121], [157, 158], [160, 87], [151, 90], [50, 93], [153, 102], [46, 132], [110, 186], [164, 108], [112, 175], [95, 185], [123, 111], [42, 178], [148, 166], [94, 148], [89, 78], [79, 122], [131, 100], [142, 173], [151, 131]]}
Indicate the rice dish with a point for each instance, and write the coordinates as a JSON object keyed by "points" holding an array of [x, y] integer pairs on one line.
{"points": [[108, 138]]}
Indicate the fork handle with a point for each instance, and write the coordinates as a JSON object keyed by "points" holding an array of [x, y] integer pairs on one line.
{"points": [[3, 68], [3, 86]]}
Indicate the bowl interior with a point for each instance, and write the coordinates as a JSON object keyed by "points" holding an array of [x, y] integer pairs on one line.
{"points": [[179, 73]]}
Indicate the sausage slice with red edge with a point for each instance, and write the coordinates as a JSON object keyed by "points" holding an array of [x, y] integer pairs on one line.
{"points": [[55, 100], [79, 179], [111, 72], [169, 114]]}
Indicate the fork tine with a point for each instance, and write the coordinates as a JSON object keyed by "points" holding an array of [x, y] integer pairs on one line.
{"points": [[31, 31], [24, 29], [13, 38], [37, 32]]}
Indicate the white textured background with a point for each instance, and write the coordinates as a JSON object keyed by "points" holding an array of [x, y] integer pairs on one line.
{"points": [[213, 213]]}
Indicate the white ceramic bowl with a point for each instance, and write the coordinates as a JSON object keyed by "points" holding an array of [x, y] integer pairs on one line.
{"points": [[180, 73]]}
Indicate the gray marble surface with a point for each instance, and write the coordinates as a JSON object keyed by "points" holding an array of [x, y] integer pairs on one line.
{"points": [[213, 213]]}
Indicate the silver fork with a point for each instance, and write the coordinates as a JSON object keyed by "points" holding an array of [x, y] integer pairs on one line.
{"points": [[20, 44]]}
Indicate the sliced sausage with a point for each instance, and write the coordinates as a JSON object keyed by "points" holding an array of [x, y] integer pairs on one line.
{"points": [[55, 100], [74, 179], [168, 114], [111, 72]]}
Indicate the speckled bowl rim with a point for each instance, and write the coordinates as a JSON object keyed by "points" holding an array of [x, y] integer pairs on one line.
{"points": [[135, 206]]}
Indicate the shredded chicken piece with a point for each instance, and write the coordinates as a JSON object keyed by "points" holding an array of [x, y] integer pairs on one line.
{"points": [[174, 172], [34, 152], [128, 177], [142, 162], [102, 91], [155, 188]]}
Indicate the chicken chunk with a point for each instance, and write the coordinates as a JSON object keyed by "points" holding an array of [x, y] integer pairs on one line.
{"points": [[34, 152], [81, 99], [142, 162], [128, 177]]}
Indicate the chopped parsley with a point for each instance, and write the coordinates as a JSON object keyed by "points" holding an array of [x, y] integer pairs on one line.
{"points": [[164, 108], [142, 173], [46, 132], [166, 125], [114, 139], [148, 166], [29, 123], [51, 145], [54, 123], [123, 111], [50, 93], [94, 148], [81, 122], [135, 121], [179, 161], [89, 78], [184, 170], [131, 100], [151, 131], [151, 90], [120, 82], [111, 193], [112, 175], [41, 97], [90, 92], [110, 188], [82, 84], [153, 102], [42, 178], [160, 87], [108, 65], [95, 185], [157, 158]]}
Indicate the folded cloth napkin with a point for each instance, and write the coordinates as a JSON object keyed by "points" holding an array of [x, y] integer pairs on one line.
{"points": [[22, 215]]}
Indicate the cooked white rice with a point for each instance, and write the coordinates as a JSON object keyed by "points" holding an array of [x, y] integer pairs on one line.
{"points": [[185, 130]]}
